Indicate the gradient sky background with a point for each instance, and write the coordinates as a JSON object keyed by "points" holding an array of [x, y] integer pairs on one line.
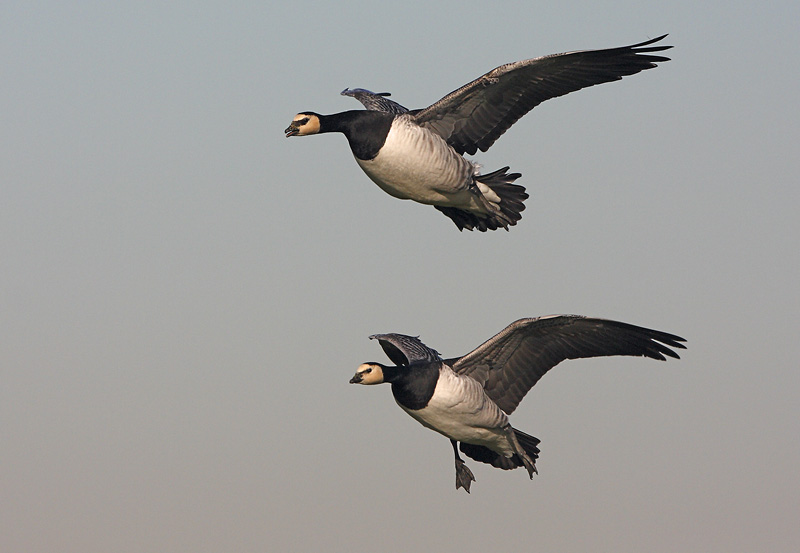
{"points": [[184, 293]]}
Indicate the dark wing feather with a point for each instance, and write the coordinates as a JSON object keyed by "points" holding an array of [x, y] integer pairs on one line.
{"points": [[374, 101], [477, 114], [510, 363], [404, 350]]}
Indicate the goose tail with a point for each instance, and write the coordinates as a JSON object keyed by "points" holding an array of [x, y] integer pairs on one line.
{"points": [[527, 443], [502, 199]]}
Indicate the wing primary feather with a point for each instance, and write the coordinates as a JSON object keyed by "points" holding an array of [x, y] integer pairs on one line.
{"points": [[510, 363], [374, 101], [474, 116], [405, 350]]}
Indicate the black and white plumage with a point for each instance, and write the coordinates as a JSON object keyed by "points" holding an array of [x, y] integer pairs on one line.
{"points": [[418, 154], [468, 398]]}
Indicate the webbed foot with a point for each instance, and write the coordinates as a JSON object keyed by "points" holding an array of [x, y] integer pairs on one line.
{"points": [[464, 476]]}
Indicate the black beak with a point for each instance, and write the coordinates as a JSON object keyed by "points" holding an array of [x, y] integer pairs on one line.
{"points": [[291, 130], [356, 379]]}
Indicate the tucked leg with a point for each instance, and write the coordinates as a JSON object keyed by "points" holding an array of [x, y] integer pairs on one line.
{"points": [[520, 451], [464, 476]]}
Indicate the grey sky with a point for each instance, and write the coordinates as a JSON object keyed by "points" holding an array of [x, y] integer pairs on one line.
{"points": [[185, 293]]}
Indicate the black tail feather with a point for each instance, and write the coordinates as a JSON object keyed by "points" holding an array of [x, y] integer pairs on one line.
{"points": [[512, 198], [486, 455]]}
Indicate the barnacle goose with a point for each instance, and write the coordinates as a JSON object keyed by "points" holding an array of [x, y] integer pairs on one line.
{"points": [[418, 154], [468, 399]]}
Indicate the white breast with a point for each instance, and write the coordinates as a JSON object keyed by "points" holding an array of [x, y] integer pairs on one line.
{"points": [[461, 410], [416, 164]]}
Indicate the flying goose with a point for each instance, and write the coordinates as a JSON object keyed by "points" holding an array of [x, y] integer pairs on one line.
{"points": [[468, 399], [418, 154]]}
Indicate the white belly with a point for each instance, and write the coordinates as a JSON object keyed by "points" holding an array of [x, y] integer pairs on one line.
{"points": [[415, 164], [460, 410]]}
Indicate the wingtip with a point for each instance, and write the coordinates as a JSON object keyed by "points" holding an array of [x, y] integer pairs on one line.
{"points": [[640, 47]]}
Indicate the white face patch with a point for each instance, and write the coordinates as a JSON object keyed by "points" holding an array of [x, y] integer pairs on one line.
{"points": [[369, 373], [306, 124]]}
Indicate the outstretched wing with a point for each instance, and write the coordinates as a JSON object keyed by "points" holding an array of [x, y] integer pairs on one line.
{"points": [[477, 114], [374, 101], [510, 363], [404, 350]]}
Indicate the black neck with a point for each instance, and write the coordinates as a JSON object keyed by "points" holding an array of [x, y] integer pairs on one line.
{"points": [[365, 130], [344, 122], [392, 374], [413, 386]]}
